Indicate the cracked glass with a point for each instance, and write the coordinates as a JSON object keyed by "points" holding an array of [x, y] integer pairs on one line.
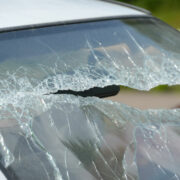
{"points": [[67, 137]]}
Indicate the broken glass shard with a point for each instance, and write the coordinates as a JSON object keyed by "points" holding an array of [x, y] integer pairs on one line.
{"points": [[89, 138]]}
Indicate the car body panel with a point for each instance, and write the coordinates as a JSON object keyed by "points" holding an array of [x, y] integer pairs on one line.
{"points": [[22, 13]]}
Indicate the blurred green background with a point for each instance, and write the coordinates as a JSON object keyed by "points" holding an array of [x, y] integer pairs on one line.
{"points": [[167, 10]]}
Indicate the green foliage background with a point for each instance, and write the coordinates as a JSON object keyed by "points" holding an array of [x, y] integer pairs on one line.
{"points": [[167, 10]]}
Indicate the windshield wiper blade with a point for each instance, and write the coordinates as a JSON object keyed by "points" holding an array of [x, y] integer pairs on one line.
{"points": [[95, 91]]}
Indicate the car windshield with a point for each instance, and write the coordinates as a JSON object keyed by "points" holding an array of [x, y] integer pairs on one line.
{"points": [[48, 133], [107, 52]]}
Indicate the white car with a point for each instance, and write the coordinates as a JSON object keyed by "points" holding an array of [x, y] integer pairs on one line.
{"points": [[58, 59]]}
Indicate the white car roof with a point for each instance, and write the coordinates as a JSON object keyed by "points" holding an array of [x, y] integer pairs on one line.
{"points": [[15, 13]]}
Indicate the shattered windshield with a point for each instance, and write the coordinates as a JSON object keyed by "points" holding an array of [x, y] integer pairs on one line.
{"points": [[60, 136], [140, 52]]}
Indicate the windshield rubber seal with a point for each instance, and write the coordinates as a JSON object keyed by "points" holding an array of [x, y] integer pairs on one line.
{"points": [[78, 21]]}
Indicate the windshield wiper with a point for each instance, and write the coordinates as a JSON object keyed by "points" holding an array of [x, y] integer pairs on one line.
{"points": [[95, 91]]}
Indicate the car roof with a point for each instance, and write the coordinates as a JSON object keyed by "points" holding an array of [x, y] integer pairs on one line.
{"points": [[18, 13]]}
